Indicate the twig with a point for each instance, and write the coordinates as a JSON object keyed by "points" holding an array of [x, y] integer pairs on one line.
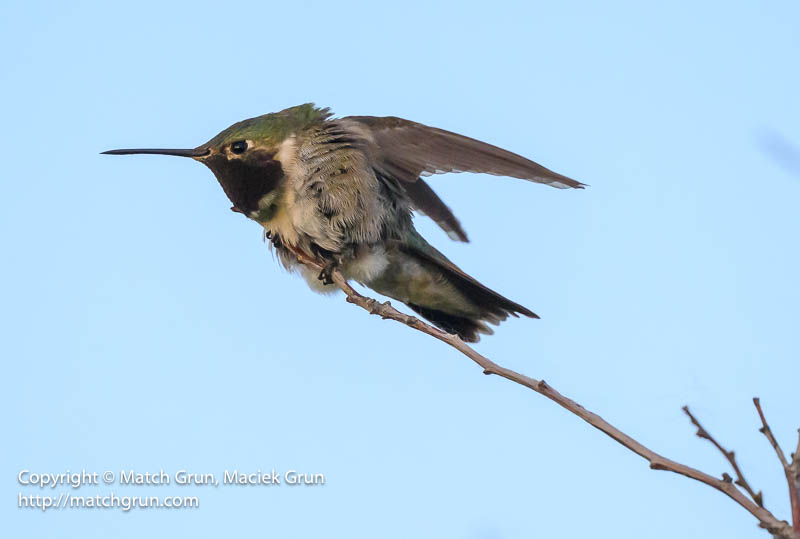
{"points": [[778, 528], [795, 470], [791, 474], [796, 456], [740, 480], [795, 466]]}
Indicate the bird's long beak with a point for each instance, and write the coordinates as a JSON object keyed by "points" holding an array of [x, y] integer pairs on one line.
{"points": [[195, 152]]}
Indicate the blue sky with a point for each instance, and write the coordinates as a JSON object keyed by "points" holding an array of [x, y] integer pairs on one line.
{"points": [[147, 327]]}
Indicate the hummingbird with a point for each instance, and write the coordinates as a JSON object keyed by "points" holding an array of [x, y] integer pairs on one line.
{"points": [[342, 192]]}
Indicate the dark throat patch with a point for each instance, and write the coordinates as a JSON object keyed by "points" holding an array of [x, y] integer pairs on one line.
{"points": [[246, 180]]}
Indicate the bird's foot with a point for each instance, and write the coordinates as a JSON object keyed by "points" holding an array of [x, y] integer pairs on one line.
{"points": [[326, 275]]}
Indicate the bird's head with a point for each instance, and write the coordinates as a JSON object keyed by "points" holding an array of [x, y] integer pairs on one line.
{"points": [[244, 157]]}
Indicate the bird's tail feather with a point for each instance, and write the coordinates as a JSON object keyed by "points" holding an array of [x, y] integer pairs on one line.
{"points": [[438, 290], [469, 329]]}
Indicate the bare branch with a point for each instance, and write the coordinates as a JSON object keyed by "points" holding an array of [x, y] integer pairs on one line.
{"points": [[796, 454], [791, 475], [740, 480], [766, 431], [778, 528]]}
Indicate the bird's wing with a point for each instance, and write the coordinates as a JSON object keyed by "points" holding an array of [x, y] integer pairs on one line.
{"points": [[408, 149], [426, 201]]}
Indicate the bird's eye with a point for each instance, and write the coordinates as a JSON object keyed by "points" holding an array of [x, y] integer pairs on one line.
{"points": [[239, 146]]}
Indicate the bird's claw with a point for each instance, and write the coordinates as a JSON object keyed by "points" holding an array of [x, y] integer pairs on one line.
{"points": [[326, 274]]}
